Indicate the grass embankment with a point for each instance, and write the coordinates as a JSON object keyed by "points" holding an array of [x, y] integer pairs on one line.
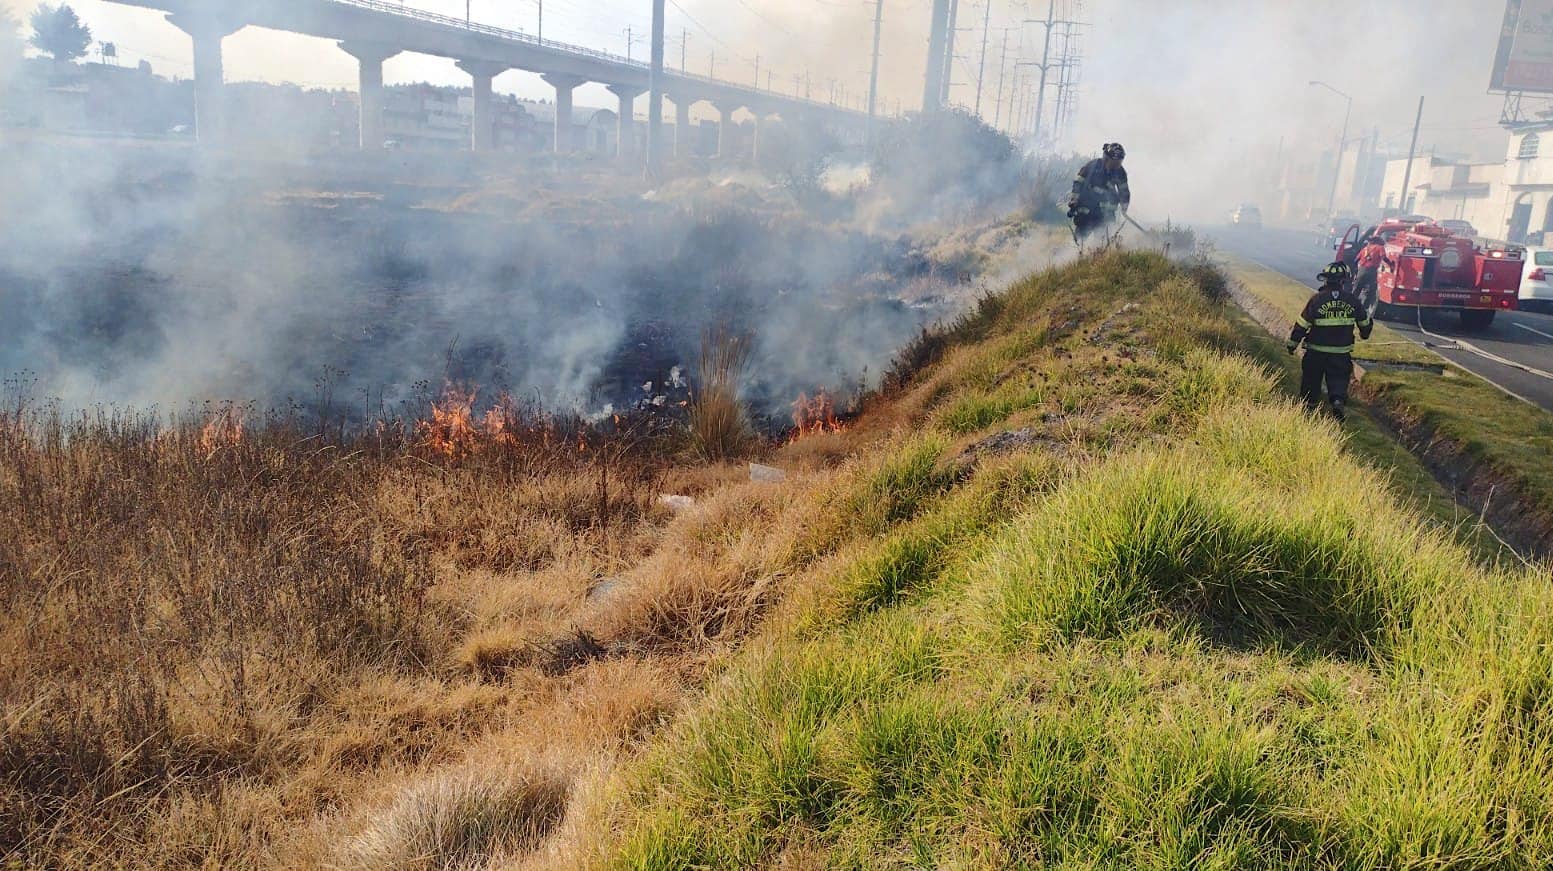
{"points": [[1081, 589], [1494, 450], [1116, 604]]}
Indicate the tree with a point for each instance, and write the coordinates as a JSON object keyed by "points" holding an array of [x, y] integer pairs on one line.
{"points": [[56, 31]]}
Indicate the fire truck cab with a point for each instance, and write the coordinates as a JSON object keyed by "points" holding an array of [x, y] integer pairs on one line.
{"points": [[1429, 267]]}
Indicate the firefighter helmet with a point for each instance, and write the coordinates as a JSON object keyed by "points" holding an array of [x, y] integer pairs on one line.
{"points": [[1115, 151], [1338, 270]]}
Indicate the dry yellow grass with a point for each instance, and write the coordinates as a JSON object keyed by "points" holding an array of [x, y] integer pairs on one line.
{"points": [[250, 647]]}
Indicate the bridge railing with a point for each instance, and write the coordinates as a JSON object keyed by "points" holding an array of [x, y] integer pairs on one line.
{"points": [[529, 39]]}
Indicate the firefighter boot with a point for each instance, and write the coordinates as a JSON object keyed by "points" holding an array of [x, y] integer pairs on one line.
{"points": [[1340, 408]]}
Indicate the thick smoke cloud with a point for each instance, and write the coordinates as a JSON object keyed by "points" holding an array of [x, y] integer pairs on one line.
{"points": [[157, 275], [1203, 91]]}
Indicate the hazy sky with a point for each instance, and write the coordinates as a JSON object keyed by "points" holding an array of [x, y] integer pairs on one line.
{"points": [[1201, 91]]}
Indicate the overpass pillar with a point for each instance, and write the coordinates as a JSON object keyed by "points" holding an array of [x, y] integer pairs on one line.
{"points": [[369, 57], [759, 137], [725, 129], [207, 30], [564, 86], [683, 133], [627, 135], [483, 125]]}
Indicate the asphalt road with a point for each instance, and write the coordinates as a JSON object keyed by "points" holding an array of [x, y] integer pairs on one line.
{"points": [[1523, 337]]}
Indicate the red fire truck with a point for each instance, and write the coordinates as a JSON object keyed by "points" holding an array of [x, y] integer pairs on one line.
{"points": [[1426, 266]]}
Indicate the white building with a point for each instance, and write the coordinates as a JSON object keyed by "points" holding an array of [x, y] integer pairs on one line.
{"points": [[1510, 199]]}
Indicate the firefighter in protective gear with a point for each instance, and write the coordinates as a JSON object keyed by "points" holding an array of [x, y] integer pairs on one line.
{"points": [[1326, 327], [1100, 191], [1370, 257]]}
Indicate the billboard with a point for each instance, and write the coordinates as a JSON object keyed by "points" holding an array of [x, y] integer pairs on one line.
{"points": [[1525, 60]]}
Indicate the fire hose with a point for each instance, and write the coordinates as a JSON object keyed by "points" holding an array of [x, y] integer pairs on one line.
{"points": [[1450, 344]]}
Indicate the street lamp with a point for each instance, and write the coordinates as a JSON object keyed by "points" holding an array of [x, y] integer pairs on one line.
{"points": [[1342, 143]]}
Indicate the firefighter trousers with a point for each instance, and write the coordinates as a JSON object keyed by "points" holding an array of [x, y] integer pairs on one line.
{"points": [[1088, 223], [1367, 284], [1336, 370]]}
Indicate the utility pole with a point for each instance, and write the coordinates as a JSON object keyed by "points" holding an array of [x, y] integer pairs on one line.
{"points": [[1046, 52], [954, 18], [711, 63], [1017, 95], [757, 72], [1048, 23], [1342, 143], [684, 48], [981, 70], [997, 115], [933, 87], [1407, 176], [541, 22], [655, 95], [629, 40], [873, 75]]}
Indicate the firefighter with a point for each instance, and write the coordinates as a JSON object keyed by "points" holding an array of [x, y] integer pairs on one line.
{"points": [[1099, 192], [1370, 257], [1326, 328]]}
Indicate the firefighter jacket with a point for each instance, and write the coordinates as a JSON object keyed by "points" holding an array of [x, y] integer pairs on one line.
{"points": [[1097, 186], [1328, 321]]}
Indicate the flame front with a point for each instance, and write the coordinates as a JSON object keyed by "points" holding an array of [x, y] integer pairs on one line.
{"points": [[456, 432], [814, 415], [224, 429], [451, 432]]}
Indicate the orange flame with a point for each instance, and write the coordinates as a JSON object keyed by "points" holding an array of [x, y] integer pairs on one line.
{"points": [[456, 432], [451, 432], [223, 430], [814, 415]]}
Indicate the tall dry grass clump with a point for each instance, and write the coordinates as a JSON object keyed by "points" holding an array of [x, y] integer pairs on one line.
{"points": [[719, 426], [459, 819]]}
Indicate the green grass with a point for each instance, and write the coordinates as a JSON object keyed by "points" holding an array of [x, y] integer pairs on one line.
{"points": [[1452, 404], [1203, 635], [1512, 437]]}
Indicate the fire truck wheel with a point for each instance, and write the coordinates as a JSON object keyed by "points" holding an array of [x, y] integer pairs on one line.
{"points": [[1379, 311], [1477, 320]]}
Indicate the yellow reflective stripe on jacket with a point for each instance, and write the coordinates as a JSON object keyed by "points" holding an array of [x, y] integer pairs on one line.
{"points": [[1302, 322], [1330, 349], [1336, 322]]}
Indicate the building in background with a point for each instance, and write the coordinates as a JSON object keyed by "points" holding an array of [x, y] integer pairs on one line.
{"points": [[1306, 188], [96, 98], [1510, 199]]}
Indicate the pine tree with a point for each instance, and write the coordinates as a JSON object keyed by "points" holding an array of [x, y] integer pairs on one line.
{"points": [[58, 32]]}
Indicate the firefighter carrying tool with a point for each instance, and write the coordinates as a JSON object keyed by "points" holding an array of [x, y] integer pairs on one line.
{"points": [[1326, 327], [1099, 192]]}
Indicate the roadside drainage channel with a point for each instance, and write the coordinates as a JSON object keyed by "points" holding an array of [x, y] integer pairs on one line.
{"points": [[1488, 495]]}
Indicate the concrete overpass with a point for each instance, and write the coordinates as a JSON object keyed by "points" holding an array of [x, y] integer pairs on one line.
{"points": [[373, 31]]}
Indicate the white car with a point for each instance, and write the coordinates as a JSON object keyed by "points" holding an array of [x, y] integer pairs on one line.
{"points": [[1537, 281]]}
